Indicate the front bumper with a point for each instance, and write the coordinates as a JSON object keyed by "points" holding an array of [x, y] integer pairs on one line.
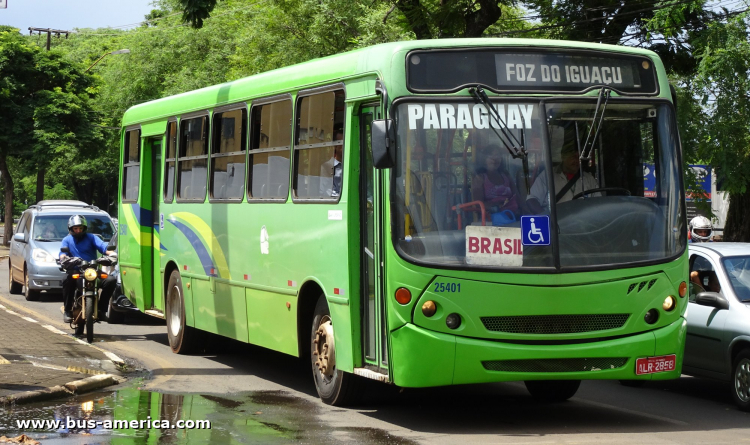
{"points": [[45, 276], [422, 358]]}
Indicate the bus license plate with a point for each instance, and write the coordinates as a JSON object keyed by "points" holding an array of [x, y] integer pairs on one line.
{"points": [[651, 365]]}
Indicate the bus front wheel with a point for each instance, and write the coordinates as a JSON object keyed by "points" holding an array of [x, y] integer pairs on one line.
{"points": [[334, 386], [181, 336], [552, 390]]}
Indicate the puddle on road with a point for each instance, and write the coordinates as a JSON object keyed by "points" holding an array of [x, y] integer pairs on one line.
{"points": [[267, 417]]}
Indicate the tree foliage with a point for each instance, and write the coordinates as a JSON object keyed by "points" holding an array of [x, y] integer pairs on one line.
{"points": [[44, 109]]}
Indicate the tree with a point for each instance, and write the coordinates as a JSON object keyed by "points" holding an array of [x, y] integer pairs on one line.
{"points": [[426, 19], [44, 108], [722, 84]]}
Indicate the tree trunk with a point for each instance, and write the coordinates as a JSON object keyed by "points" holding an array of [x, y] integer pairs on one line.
{"points": [[40, 184], [737, 227], [8, 182]]}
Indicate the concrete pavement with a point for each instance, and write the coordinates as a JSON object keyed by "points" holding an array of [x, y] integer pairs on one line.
{"points": [[39, 361]]}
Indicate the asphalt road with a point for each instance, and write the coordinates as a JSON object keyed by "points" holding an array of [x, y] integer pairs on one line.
{"points": [[687, 410]]}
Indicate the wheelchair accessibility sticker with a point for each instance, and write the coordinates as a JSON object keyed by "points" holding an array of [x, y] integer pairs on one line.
{"points": [[535, 230]]}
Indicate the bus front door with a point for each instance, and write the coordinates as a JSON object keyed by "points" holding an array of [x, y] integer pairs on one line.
{"points": [[156, 169], [374, 332]]}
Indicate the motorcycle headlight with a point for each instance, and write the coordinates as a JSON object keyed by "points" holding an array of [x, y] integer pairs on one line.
{"points": [[90, 274], [42, 256]]}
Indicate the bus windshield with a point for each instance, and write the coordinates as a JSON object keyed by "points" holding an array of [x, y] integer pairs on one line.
{"points": [[472, 187]]}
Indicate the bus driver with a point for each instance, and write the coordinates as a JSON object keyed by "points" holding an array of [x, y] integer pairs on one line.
{"points": [[567, 177]]}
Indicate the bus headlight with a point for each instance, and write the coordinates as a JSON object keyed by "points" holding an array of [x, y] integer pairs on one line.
{"points": [[669, 303], [429, 308], [90, 274]]}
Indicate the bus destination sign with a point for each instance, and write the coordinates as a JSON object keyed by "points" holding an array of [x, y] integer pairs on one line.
{"points": [[535, 71], [554, 71]]}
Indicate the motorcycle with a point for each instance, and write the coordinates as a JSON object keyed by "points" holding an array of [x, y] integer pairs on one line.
{"points": [[88, 276]]}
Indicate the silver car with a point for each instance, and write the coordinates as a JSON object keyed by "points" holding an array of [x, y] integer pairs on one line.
{"points": [[718, 332], [36, 244]]}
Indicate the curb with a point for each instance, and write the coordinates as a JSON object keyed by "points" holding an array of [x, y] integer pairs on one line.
{"points": [[117, 361], [69, 389]]}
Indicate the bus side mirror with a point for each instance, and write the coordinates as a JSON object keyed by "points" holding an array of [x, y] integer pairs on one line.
{"points": [[383, 143]]}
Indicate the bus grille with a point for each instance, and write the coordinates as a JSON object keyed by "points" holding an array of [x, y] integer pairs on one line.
{"points": [[556, 364], [554, 324]]}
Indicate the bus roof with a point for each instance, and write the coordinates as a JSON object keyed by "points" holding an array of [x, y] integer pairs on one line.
{"points": [[374, 59]]}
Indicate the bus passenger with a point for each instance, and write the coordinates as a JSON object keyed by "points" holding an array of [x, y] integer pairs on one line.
{"points": [[330, 171], [492, 184], [568, 181]]}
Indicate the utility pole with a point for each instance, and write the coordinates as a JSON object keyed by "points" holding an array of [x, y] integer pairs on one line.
{"points": [[41, 168]]}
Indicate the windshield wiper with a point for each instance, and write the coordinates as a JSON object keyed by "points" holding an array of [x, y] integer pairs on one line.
{"points": [[516, 147], [589, 147], [42, 239]]}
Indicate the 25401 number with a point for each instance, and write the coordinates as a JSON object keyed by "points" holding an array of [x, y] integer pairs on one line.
{"points": [[447, 287]]}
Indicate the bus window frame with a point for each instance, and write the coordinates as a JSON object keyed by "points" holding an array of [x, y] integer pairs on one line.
{"points": [[168, 160], [207, 133], [331, 88], [250, 151], [126, 164], [543, 103], [211, 155]]}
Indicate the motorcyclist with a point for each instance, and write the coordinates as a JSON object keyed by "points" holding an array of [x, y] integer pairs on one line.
{"points": [[701, 229], [83, 245]]}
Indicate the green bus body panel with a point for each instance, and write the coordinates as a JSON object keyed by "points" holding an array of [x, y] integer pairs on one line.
{"points": [[231, 287], [263, 306], [424, 358]]}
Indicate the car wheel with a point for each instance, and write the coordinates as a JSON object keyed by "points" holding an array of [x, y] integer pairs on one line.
{"points": [[31, 295], [741, 380], [13, 287], [552, 390], [114, 317]]}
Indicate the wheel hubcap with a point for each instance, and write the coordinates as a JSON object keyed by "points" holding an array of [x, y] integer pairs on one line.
{"points": [[175, 311], [323, 348], [742, 380]]}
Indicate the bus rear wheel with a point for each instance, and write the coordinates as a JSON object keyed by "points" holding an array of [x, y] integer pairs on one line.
{"points": [[334, 386], [181, 337], [552, 390]]}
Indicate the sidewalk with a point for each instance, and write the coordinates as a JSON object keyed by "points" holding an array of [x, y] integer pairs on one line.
{"points": [[39, 361]]}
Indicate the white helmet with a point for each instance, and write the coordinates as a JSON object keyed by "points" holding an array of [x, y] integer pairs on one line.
{"points": [[705, 227]]}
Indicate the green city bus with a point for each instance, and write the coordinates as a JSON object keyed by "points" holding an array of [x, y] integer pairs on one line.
{"points": [[386, 213]]}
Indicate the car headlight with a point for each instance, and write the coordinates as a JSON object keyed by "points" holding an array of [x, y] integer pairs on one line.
{"points": [[42, 256], [90, 274]]}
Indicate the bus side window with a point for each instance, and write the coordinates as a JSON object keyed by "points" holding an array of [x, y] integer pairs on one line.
{"points": [[319, 145], [169, 161], [270, 143], [131, 166], [192, 163], [228, 145]]}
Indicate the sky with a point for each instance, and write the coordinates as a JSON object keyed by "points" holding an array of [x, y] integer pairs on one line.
{"points": [[70, 14]]}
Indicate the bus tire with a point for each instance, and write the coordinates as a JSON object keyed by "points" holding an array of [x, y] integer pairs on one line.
{"points": [[741, 380], [552, 390], [335, 387], [181, 337]]}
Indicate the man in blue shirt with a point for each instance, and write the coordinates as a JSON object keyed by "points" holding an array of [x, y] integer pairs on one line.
{"points": [[83, 245]]}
